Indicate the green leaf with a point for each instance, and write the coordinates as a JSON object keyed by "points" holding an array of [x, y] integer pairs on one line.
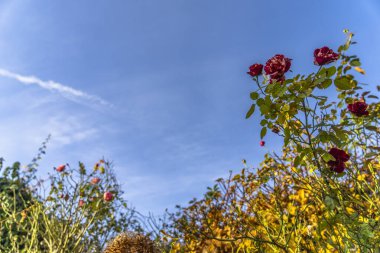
{"points": [[260, 101], [296, 161], [250, 111], [344, 83], [263, 132], [263, 122], [264, 109], [254, 95], [330, 71], [330, 203], [327, 157], [355, 63]]}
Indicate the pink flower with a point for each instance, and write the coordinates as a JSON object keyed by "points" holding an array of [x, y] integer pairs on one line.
{"points": [[276, 67], [358, 108], [60, 168], [81, 203], [108, 196], [324, 56], [262, 143], [255, 69], [95, 180], [340, 158]]}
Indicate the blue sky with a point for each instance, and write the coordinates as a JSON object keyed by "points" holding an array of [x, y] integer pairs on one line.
{"points": [[158, 87]]}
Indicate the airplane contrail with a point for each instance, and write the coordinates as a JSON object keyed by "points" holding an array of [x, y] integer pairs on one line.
{"points": [[53, 86]]}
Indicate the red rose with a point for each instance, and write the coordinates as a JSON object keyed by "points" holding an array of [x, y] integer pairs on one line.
{"points": [[95, 180], [108, 196], [81, 203], [255, 69], [324, 56], [358, 108], [262, 143], [60, 168], [340, 158], [277, 66]]}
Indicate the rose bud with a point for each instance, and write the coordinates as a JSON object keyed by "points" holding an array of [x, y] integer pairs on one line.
{"points": [[276, 67], [108, 196], [262, 143], [340, 158], [95, 180], [61, 168], [358, 108], [324, 56], [81, 203], [255, 70]]}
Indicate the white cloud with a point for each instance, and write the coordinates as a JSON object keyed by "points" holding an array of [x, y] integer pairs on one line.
{"points": [[64, 90]]}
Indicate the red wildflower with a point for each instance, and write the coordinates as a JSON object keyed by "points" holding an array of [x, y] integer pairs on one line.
{"points": [[60, 168], [95, 180], [108, 196]]}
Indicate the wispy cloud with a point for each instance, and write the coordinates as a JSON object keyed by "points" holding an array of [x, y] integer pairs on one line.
{"points": [[64, 90]]}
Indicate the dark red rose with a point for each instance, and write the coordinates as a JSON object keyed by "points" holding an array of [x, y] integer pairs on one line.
{"points": [[358, 108], [277, 66], [255, 69], [262, 143], [340, 158], [60, 168], [324, 56]]}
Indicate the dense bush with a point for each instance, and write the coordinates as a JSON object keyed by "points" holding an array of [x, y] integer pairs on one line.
{"points": [[81, 210]]}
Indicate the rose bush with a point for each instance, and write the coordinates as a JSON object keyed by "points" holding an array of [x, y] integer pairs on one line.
{"points": [[322, 194]]}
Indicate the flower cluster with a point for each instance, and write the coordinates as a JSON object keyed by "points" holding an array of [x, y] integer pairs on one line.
{"points": [[107, 196], [275, 68]]}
